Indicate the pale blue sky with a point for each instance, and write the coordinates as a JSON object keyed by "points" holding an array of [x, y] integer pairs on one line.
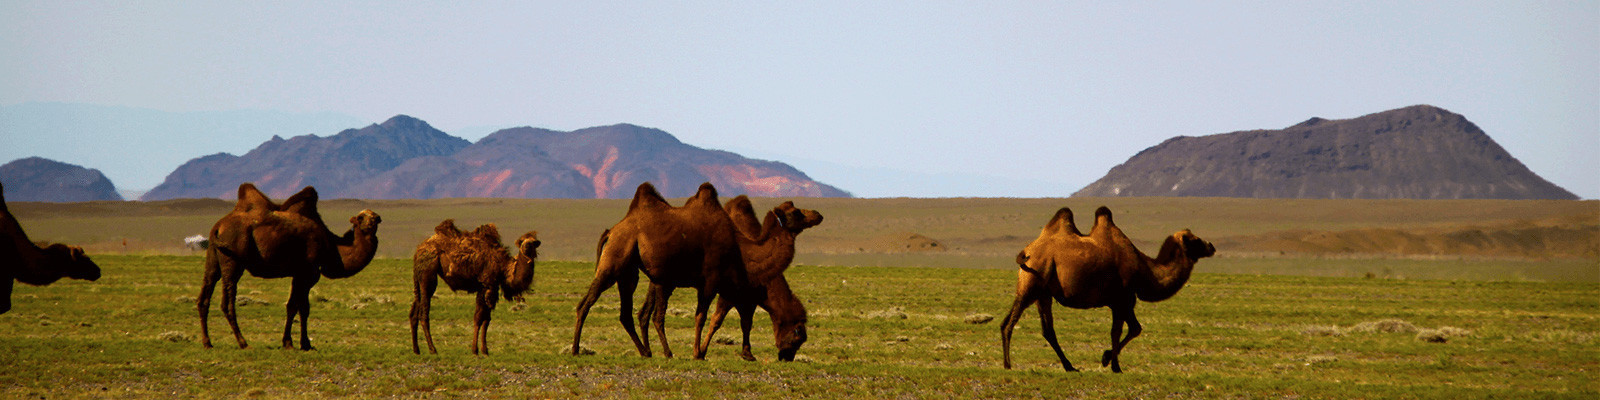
{"points": [[882, 99]]}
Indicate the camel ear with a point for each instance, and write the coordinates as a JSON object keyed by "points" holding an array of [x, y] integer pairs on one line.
{"points": [[77, 252]]}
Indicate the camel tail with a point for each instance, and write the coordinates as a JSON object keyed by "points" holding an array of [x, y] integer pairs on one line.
{"points": [[598, 248], [1022, 262]]}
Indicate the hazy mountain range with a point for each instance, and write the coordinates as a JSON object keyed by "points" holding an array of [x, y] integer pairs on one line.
{"points": [[405, 158]]}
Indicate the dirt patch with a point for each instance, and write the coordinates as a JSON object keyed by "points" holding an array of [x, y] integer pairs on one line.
{"points": [[902, 242], [1555, 238]]}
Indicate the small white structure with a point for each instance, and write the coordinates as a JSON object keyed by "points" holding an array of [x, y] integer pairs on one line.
{"points": [[196, 242]]}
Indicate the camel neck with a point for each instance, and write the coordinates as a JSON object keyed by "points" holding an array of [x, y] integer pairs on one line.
{"points": [[356, 250], [770, 254], [1168, 272]]}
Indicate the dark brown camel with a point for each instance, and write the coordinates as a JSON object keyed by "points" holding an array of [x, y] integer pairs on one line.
{"points": [[277, 241], [23, 261], [474, 262], [1102, 269], [768, 288], [691, 246]]}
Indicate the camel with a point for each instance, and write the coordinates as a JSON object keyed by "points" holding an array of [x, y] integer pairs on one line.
{"points": [[768, 288], [24, 261], [1101, 269], [694, 246], [474, 262], [277, 241]]}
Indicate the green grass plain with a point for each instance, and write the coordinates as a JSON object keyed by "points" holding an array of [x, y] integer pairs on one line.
{"points": [[1250, 324]]}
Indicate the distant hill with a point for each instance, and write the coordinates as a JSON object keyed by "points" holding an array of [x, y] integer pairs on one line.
{"points": [[1418, 152], [137, 147], [40, 179], [405, 158]]}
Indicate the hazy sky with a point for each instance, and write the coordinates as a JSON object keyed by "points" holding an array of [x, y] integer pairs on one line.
{"points": [[1030, 98]]}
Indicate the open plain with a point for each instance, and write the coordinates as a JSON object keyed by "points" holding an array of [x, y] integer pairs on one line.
{"points": [[1306, 298]]}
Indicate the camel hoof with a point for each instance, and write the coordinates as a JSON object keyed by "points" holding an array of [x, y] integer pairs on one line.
{"points": [[1107, 358], [307, 348], [1069, 368], [748, 357]]}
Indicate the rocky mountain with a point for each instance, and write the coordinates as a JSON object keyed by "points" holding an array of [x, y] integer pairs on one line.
{"points": [[406, 158], [1418, 152], [40, 179]]}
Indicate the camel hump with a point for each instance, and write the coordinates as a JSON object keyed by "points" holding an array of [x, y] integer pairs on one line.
{"points": [[1102, 219], [488, 232], [303, 203], [1062, 223], [447, 228], [706, 195], [251, 198], [646, 197]]}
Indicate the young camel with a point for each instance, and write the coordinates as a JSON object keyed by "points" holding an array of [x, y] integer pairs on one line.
{"points": [[23, 261], [474, 262], [768, 288], [277, 241], [691, 246], [1102, 269]]}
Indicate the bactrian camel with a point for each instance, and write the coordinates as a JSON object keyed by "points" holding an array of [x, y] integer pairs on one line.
{"points": [[768, 288], [23, 261], [277, 241], [691, 246], [1101, 269], [474, 262]]}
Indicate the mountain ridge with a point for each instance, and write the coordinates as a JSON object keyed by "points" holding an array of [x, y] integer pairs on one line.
{"points": [[1416, 152], [404, 157]]}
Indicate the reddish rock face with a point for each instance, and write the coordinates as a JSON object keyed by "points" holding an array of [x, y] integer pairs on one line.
{"points": [[406, 158]]}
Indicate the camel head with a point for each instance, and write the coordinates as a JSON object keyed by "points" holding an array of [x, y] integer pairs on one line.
{"points": [[788, 318], [365, 223], [795, 219], [519, 277], [1193, 246], [73, 263]]}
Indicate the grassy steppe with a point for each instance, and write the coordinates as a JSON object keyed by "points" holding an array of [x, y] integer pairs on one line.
{"points": [[875, 333]]}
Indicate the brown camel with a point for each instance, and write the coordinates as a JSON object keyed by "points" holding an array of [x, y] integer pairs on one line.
{"points": [[768, 288], [24, 261], [1102, 269], [474, 262], [691, 246], [277, 241]]}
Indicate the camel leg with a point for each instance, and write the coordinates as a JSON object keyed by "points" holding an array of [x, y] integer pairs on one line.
{"points": [[625, 286], [5, 296], [480, 321], [1119, 316], [723, 305], [704, 303], [1025, 297], [1047, 327], [747, 315], [655, 309], [421, 304], [603, 280], [230, 293], [202, 302], [300, 303]]}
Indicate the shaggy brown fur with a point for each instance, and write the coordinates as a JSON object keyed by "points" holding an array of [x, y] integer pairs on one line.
{"points": [[277, 241], [768, 288], [691, 246], [474, 262], [1102, 269], [23, 261]]}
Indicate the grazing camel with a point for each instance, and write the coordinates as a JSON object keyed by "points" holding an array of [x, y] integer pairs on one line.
{"points": [[768, 288], [691, 246], [23, 261], [277, 241], [1102, 269], [474, 262]]}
